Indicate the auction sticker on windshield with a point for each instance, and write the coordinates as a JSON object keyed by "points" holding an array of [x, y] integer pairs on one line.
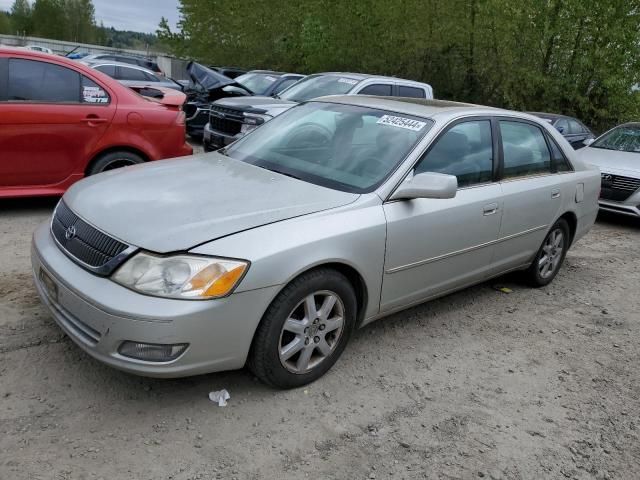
{"points": [[401, 122]]}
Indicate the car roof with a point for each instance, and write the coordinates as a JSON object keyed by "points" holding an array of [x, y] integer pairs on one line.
{"points": [[95, 62], [367, 76], [440, 110]]}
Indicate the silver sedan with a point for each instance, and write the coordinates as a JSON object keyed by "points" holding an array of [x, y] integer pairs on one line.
{"points": [[336, 213], [617, 154]]}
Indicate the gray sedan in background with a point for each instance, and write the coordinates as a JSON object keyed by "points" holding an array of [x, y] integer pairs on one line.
{"points": [[132, 75], [336, 213]]}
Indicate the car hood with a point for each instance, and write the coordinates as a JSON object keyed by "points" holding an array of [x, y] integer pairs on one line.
{"points": [[612, 161], [259, 104], [174, 205], [206, 78]]}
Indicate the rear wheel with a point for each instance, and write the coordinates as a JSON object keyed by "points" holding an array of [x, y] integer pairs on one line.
{"points": [[305, 330], [550, 256], [113, 160]]}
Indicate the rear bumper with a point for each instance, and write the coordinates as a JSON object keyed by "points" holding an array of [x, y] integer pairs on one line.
{"points": [[98, 315]]}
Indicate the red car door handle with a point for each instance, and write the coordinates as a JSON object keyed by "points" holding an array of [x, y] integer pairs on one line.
{"points": [[93, 120]]}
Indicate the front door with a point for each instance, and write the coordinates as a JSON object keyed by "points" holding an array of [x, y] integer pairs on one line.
{"points": [[50, 121], [439, 245]]}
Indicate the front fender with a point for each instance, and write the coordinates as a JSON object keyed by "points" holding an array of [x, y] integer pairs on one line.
{"points": [[353, 235]]}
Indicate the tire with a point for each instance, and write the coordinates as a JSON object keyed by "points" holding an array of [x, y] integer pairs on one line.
{"points": [[113, 160], [550, 256], [288, 323]]}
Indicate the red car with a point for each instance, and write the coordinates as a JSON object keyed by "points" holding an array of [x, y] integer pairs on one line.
{"points": [[61, 121]]}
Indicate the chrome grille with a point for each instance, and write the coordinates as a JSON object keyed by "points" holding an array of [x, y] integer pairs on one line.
{"points": [[226, 120], [625, 183], [84, 243]]}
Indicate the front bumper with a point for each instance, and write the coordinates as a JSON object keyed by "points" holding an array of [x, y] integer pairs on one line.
{"points": [[631, 206], [99, 315], [214, 139]]}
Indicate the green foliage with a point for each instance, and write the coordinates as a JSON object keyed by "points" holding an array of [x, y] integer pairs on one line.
{"points": [[5, 24], [569, 56], [21, 21]]}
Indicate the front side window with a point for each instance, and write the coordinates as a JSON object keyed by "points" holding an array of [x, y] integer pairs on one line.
{"points": [[575, 128], [525, 150], [378, 89], [344, 147], [315, 86], [410, 92], [465, 150], [625, 138], [34, 81]]}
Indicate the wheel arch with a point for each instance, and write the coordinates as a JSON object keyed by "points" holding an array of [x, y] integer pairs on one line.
{"points": [[117, 148], [572, 220]]}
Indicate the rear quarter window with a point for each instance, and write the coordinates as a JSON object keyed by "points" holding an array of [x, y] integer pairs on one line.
{"points": [[411, 92]]}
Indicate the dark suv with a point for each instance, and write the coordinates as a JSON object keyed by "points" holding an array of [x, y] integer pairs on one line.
{"points": [[572, 129]]}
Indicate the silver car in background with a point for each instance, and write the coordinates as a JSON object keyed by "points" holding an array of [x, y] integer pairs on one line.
{"points": [[132, 75], [617, 154], [336, 213]]}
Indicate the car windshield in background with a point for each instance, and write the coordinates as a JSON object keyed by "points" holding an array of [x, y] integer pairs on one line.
{"points": [[258, 83], [318, 86], [343, 147], [623, 139]]}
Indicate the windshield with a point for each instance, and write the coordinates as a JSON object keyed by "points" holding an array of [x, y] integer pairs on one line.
{"points": [[344, 147], [318, 86], [258, 83], [624, 138]]}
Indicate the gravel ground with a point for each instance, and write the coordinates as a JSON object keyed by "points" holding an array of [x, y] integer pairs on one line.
{"points": [[524, 385]]}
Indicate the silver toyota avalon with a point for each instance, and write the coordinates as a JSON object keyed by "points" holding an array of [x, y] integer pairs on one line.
{"points": [[334, 214]]}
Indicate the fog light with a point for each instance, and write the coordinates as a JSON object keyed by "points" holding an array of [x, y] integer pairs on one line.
{"points": [[151, 352]]}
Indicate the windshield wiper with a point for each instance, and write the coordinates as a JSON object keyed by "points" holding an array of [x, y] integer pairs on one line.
{"points": [[287, 174]]}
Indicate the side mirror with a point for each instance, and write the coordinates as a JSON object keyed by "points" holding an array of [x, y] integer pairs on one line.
{"points": [[427, 185], [560, 129], [232, 89], [588, 141]]}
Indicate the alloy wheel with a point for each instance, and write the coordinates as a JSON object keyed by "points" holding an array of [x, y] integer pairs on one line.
{"points": [[311, 332], [551, 254]]}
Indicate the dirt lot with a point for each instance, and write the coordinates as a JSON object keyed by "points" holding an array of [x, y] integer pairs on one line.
{"points": [[526, 385]]}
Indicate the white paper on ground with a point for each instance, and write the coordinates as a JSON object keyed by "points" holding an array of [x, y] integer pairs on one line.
{"points": [[220, 397]]}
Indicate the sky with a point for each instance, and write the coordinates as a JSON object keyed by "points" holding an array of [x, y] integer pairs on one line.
{"points": [[136, 15]]}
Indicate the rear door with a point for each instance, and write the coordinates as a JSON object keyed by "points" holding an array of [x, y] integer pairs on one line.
{"points": [[533, 190], [50, 121], [438, 245]]}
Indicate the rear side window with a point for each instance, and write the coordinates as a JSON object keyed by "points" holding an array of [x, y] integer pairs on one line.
{"points": [[93, 93], [525, 150], [285, 84], [376, 89], [108, 69], [33, 81], [465, 150], [560, 161], [411, 92], [132, 74]]}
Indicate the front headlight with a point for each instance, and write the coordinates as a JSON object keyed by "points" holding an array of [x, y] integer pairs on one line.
{"points": [[181, 276], [252, 121]]}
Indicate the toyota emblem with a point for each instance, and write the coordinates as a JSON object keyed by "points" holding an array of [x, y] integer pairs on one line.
{"points": [[70, 232]]}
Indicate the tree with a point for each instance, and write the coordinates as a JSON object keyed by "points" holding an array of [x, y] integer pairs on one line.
{"points": [[80, 20], [21, 17], [50, 19], [5, 24]]}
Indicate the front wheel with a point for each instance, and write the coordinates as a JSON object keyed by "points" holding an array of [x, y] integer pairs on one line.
{"points": [[549, 258], [304, 330]]}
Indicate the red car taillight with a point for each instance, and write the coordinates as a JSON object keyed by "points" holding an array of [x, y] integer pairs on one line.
{"points": [[181, 119]]}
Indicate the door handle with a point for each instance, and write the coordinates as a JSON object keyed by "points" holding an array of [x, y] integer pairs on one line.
{"points": [[555, 194], [490, 209], [93, 120]]}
